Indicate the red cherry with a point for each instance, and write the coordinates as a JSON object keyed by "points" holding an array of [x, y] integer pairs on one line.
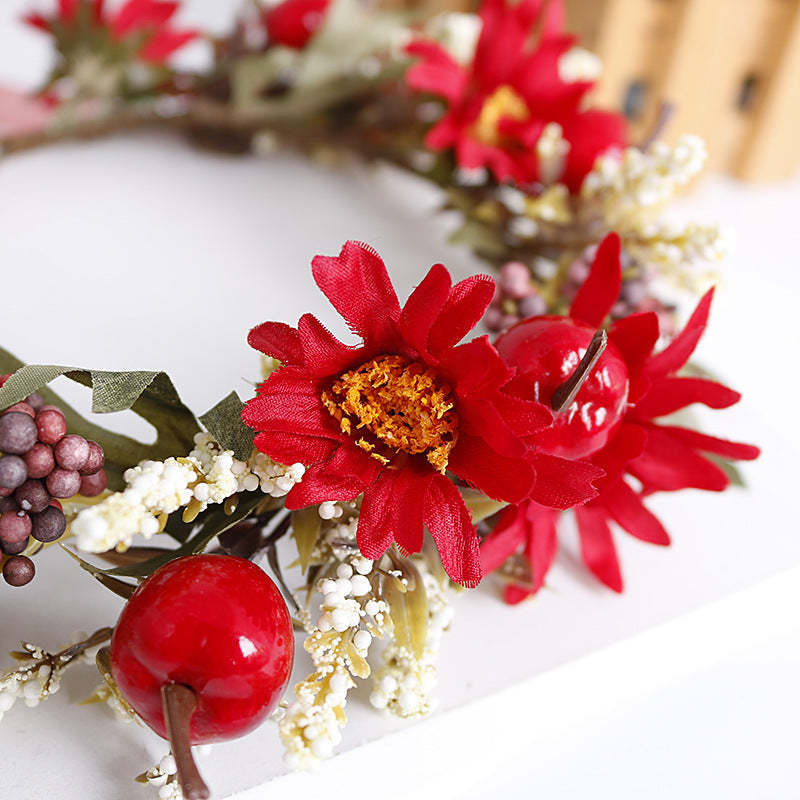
{"points": [[293, 22], [545, 351], [216, 624]]}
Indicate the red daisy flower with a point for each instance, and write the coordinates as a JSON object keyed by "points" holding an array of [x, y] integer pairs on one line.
{"points": [[660, 457], [499, 105], [390, 417], [140, 26]]}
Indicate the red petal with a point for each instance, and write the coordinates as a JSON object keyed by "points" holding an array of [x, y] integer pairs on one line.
{"points": [[357, 284], [136, 15], [561, 483], [542, 542], [323, 353], [438, 72], [392, 511], [625, 445], [738, 451], [515, 593], [161, 46], [668, 465], [597, 546], [479, 417], [505, 31], [600, 290], [498, 476], [290, 448], [677, 353], [345, 476], [667, 395], [278, 340], [590, 134], [448, 520], [628, 511], [508, 535], [475, 368], [524, 417], [635, 337], [423, 307], [67, 9], [38, 21], [463, 310]]}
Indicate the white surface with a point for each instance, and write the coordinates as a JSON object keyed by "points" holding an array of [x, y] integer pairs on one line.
{"points": [[139, 252]]}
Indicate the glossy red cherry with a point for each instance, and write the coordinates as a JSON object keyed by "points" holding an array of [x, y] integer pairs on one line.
{"points": [[545, 351], [293, 22], [216, 624]]}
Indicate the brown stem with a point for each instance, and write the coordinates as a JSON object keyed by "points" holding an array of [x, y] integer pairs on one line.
{"points": [[179, 704], [665, 112], [565, 393]]}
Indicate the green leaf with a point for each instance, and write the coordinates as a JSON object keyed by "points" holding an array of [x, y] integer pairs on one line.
{"points": [[408, 609], [306, 524], [480, 238], [729, 468], [479, 505], [224, 423], [151, 395]]}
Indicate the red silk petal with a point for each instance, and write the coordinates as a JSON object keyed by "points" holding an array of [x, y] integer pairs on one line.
{"points": [[475, 367], [278, 340], [542, 543], [343, 477], [479, 417], [515, 593], [357, 284], [590, 134], [625, 445], [597, 546], [67, 9], [289, 448], [465, 306], [629, 512], [561, 483], [437, 72], [669, 394], [737, 451], [423, 307], [392, 511], [323, 353], [38, 21], [164, 44], [448, 520], [507, 537], [498, 476], [136, 15], [668, 465], [600, 290], [525, 417], [635, 337], [677, 353]]}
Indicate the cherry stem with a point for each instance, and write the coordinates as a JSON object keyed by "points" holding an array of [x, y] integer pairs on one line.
{"points": [[179, 704], [565, 393]]}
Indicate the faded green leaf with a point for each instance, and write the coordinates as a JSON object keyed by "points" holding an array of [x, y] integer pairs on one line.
{"points": [[224, 423], [358, 664], [151, 395], [306, 524], [729, 468], [409, 609], [480, 238], [479, 505]]}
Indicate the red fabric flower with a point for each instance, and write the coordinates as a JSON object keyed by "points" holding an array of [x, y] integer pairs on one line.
{"points": [[499, 105], [140, 24], [660, 457], [292, 23], [390, 417]]}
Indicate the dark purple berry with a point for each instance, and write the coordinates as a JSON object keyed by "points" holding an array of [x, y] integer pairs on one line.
{"points": [[63, 482], [49, 525], [8, 504], [32, 496], [35, 401], [13, 548], [22, 407], [15, 526], [72, 452], [13, 472], [532, 306], [39, 460], [93, 485], [95, 461], [51, 425], [18, 570], [17, 432]]}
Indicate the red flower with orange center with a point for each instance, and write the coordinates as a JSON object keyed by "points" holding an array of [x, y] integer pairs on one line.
{"points": [[394, 416], [499, 105], [659, 457]]}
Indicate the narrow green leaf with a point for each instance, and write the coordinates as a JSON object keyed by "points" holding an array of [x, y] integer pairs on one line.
{"points": [[409, 609], [306, 524], [224, 423], [479, 505]]}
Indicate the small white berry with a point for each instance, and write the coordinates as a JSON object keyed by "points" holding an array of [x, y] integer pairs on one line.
{"points": [[359, 586], [362, 640]]}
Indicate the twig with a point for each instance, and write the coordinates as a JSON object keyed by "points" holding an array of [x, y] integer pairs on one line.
{"points": [[565, 393]]}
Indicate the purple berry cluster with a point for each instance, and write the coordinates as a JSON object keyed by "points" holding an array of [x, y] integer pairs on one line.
{"points": [[40, 463], [516, 297]]}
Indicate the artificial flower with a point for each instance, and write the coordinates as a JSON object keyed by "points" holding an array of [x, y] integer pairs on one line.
{"points": [[514, 109], [659, 457], [392, 416], [292, 23]]}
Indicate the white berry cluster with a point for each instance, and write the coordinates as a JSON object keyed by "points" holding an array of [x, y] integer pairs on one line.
{"points": [[350, 617], [404, 685], [579, 65], [551, 149], [156, 489], [163, 776], [457, 32]]}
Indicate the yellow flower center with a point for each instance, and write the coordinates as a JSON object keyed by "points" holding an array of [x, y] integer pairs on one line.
{"points": [[503, 103], [400, 406]]}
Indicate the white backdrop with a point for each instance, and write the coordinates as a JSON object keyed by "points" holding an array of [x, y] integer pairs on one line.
{"points": [[140, 253]]}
